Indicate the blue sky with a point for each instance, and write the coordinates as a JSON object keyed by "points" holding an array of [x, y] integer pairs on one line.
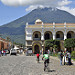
{"points": [[8, 14], [13, 9]]}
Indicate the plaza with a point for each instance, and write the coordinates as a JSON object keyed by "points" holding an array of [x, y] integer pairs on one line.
{"points": [[27, 65]]}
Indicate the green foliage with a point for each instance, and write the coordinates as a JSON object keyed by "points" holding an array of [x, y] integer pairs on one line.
{"points": [[69, 43], [49, 43], [73, 54], [55, 55], [52, 43]]}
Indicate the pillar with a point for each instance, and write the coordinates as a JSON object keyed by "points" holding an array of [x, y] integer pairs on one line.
{"points": [[54, 37], [42, 36], [65, 36]]}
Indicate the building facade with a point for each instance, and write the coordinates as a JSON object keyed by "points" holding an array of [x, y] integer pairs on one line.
{"points": [[36, 34], [4, 44]]}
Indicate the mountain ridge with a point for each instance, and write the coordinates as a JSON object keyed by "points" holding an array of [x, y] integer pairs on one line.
{"points": [[47, 15]]}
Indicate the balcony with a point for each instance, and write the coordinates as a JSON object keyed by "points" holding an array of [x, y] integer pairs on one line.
{"points": [[36, 39], [60, 38]]}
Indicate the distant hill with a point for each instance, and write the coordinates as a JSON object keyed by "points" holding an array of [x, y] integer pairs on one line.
{"points": [[15, 29]]}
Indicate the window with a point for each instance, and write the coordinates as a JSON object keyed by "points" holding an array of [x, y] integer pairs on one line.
{"points": [[58, 36], [68, 35], [47, 36], [36, 35]]}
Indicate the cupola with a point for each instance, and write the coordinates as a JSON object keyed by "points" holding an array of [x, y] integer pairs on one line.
{"points": [[38, 21]]}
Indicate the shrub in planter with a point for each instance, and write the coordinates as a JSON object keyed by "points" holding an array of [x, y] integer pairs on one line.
{"points": [[73, 54]]}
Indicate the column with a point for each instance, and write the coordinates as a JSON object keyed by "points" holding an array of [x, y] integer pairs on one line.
{"points": [[54, 37], [42, 34], [65, 36]]}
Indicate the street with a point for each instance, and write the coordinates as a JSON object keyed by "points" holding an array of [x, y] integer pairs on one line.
{"points": [[27, 65]]}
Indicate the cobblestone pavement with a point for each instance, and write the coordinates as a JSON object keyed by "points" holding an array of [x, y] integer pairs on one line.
{"points": [[27, 65]]}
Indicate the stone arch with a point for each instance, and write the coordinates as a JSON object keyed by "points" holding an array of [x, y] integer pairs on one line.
{"points": [[37, 35], [48, 35], [70, 34], [59, 35], [36, 47]]}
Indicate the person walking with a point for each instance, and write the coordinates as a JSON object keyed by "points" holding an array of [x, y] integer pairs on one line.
{"points": [[65, 54], [0, 53], [40, 52], [46, 60], [69, 58], [37, 55], [49, 52], [4, 53], [61, 57]]}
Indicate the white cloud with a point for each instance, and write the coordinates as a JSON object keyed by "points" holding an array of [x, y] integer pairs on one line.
{"points": [[34, 7], [52, 3], [26, 2], [33, 4], [64, 2], [68, 9]]}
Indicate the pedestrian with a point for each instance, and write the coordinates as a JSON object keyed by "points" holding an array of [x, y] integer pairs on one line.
{"points": [[65, 54], [21, 51], [0, 53], [40, 52], [69, 58], [37, 55], [61, 57], [46, 60], [49, 52], [4, 53]]}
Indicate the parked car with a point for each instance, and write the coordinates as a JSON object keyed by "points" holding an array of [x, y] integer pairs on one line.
{"points": [[13, 51], [29, 52]]}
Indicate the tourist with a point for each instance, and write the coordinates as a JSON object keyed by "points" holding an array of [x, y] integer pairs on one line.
{"points": [[21, 51], [46, 59], [49, 52], [69, 58], [2, 52], [40, 52], [37, 55], [65, 54], [61, 57]]}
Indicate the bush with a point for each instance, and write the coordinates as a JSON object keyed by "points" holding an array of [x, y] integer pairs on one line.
{"points": [[55, 54], [73, 54]]}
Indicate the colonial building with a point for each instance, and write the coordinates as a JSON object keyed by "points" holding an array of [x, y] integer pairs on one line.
{"points": [[4, 44], [36, 34]]}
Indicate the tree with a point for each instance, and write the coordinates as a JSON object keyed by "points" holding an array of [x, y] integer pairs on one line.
{"points": [[52, 43], [8, 39], [69, 43]]}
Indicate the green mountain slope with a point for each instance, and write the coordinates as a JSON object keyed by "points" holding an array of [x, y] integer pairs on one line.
{"points": [[15, 29]]}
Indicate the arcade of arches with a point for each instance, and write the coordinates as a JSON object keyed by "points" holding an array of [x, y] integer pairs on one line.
{"points": [[40, 31], [48, 35], [37, 46]]}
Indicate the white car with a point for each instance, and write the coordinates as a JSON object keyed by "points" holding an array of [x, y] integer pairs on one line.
{"points": [[13, 51]]}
